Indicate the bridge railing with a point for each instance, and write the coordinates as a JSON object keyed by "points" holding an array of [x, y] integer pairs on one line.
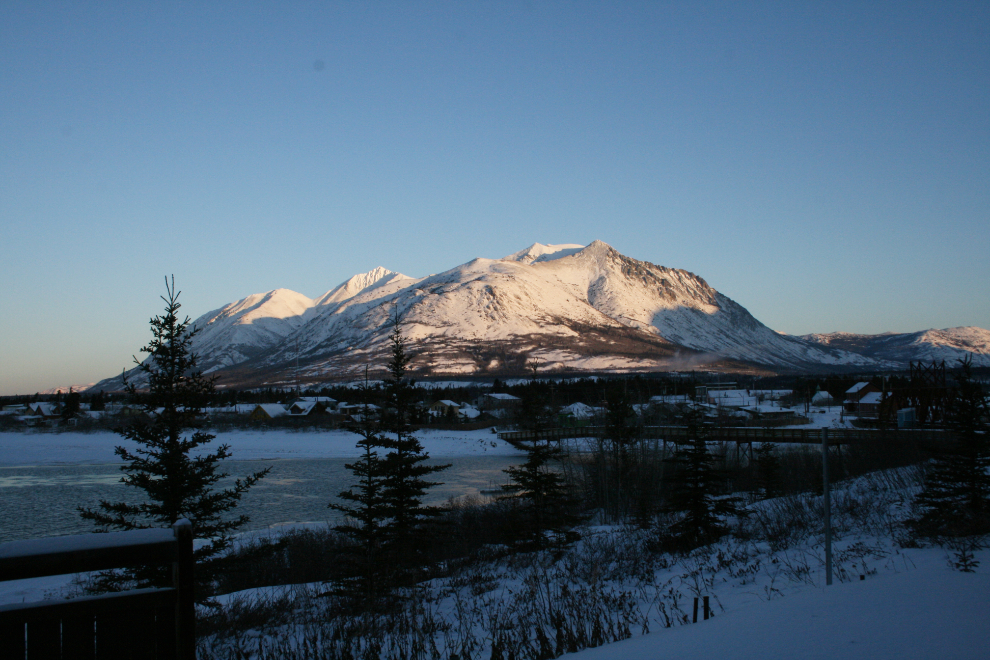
{"points": [[157, 624]]}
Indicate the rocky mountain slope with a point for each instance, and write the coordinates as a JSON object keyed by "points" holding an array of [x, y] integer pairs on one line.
{"points": [[950, 344], [552, 307]]}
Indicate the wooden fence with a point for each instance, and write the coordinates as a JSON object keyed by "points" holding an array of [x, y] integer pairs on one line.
{"points": [[152, 624]]}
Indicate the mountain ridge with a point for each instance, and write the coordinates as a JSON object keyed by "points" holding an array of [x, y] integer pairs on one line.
{"points": [[561, 308]]}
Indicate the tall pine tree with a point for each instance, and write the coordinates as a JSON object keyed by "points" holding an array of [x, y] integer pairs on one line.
{"points": [[547, 505], [176, 475], [406, 481], [388, 519], [955, 500], [693, 497], [369, 516]]}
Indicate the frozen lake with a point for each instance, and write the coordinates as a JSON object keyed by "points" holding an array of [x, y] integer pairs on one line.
{"points": [[45, 477]]}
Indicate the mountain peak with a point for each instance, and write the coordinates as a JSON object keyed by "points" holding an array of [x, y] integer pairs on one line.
{"points": [[538, 252], [358, 283]]}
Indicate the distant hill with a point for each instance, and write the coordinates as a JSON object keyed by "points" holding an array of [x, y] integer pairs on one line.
{"points": [[950, 344]]}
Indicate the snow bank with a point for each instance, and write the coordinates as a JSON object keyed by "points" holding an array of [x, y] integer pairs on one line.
{"points": [[930, 612]]}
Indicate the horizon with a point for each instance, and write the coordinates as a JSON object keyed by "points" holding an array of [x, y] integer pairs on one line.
{"points": [[827, 168]]}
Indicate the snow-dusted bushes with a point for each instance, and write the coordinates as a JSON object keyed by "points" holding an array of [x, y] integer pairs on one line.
{"points": [[608, 586]]}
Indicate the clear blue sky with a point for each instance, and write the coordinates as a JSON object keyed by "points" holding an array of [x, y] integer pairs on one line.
{"points": [[826, 165]]}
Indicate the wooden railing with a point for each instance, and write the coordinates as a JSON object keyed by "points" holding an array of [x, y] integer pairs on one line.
{"points": [[157, 624]]}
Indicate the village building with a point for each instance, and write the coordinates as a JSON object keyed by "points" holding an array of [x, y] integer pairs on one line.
{"points": [[264, 411], [302, 408], [822, 398], [444, 408], [328, 403], [44, 409], [499, 401], [869, 404], [856, 393]]}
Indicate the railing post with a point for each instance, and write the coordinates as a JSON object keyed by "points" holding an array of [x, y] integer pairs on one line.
{"points": [[185, 601]]}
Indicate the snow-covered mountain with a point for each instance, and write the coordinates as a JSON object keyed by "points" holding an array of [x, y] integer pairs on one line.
{"points": [[950, 344], [247, 328], [558, 307]]}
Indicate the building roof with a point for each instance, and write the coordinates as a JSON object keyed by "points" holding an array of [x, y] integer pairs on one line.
{"points": [[272, 409], [872, 397], [469, 412], [671, 398], [856, 388], [302, 407], [579, 410], [501, 396], [44, 408]]}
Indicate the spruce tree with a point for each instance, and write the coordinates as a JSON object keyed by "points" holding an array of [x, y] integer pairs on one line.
{"points": [[955, 501], [767, 471], [695, 484], [176, 475], [368, 577], [98, 403], [71, 407], [544, 498], [406, 480]]}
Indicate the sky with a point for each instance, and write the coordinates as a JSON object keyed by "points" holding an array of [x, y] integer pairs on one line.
{"points": [[826, 165]]}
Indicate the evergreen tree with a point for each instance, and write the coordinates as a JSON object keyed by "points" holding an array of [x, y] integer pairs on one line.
{"points": [[98, 402], [177, 477], [621, 486], [767, 471], [70, 407], [406, 481], [544, 497], [370, 516], [955, 500], [695, 484]]}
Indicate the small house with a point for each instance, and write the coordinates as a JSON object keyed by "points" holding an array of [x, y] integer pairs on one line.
{"points": [[499, 401], [44, 409], [856, 393], [821, 398], [264, 411], [444, 408], [869, 404], [302, 408]]}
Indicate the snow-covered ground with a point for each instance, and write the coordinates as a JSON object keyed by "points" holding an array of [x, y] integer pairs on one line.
{"points": [[818, 417], [767, 591], [81, 448], [921, 612]]}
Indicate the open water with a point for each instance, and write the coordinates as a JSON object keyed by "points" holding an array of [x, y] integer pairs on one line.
{"points": [[42, 501]]}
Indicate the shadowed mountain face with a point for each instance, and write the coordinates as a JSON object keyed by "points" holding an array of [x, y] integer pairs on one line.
{"points": [[557, 307]]}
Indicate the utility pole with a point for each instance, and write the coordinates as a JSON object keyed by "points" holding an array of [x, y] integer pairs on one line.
{"points": [[827, 501]]}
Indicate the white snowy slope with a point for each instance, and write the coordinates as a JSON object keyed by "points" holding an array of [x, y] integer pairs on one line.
{"points": [[539, 252], [681, 308], [244, 329], [355, 285], [949, 344], [258, 324]]}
